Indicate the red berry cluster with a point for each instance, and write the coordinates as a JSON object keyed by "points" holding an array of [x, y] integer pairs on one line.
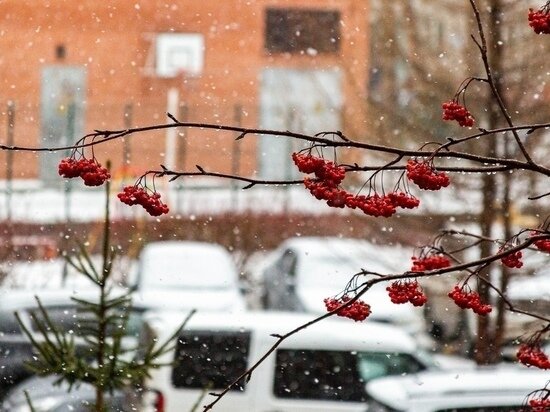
{"points": [[134, 195], [425, 176], [452, 110], [469, 300], [404, 200], [325, 171], [358, 310], [89, 170], [430, 262], [334, 196], [541, 244], [513, 260], [540, 21], [373, 205], [540, 404], [385, 205], [531, 354], [325, 187], [406, 291]]}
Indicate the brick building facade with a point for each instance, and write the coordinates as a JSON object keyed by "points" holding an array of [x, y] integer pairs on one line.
{"points": [[71, 67]]}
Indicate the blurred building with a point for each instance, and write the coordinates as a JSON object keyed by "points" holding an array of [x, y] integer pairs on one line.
{"points": [[71, 67]]}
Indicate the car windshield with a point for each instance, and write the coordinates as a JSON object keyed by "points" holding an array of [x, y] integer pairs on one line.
{"points": [[332, 268], [326, 271], [375, 365], [196, 268]]}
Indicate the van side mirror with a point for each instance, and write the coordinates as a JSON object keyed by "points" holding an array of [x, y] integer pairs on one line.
{"points": [[290, 283]]}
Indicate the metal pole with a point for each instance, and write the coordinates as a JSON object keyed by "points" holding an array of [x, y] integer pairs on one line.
{"points": [[171, 134], [236, 158], [126, 149], [183, 116], [9, 160]]}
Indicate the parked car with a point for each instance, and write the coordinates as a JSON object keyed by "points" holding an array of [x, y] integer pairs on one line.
{"points": [[306, 270], [501, 388], [48, 396], [15, 347], [203, 275], [323, 367]]}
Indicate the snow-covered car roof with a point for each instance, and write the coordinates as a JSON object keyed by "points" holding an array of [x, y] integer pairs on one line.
{"points": [[337, 333], [189, 264], [358, 252], [429, 391]]}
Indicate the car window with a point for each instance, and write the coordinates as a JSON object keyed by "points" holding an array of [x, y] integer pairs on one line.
{"points": [[8, 323], [210, 359], [321, 375], [374, 365], [335, 375]]}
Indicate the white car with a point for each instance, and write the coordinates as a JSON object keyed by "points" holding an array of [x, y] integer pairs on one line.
{"points": [[501, 388], [189, 274], [321, 368], [306, 270]]}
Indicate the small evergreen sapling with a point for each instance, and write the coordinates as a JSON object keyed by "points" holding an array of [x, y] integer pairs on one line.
{"points": [[96, 353]]}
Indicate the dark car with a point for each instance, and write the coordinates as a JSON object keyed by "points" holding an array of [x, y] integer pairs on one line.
{"points": [[16, 349], [48, 396]]}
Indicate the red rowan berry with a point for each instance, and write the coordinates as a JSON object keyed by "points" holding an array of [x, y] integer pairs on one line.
{"points": [[425, 176], [531, 354], [539, 20], [430, 262], [452, 110], [540, 404], [513, 260], [404, 200], [406, 291], [469, 300], [358, 310], [134, 195], [541, 244], [89, 170]]}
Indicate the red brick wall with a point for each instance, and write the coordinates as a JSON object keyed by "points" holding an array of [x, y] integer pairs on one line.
{"points": [[112, 43]]}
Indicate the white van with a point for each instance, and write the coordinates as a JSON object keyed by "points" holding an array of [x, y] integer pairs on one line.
{"points": [[303, 271], [198, 275], [322, 368]]}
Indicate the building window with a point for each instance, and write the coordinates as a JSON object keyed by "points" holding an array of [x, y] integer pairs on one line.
{"points": [[210, 359], [302, 31]]}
